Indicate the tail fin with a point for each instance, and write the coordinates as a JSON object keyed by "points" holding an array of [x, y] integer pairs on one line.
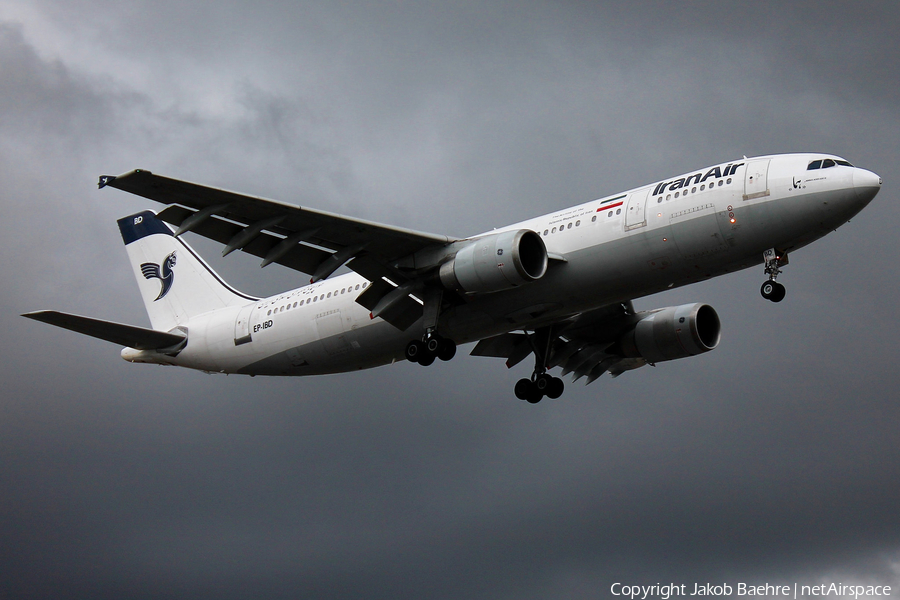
{"points": [[175, 283]]}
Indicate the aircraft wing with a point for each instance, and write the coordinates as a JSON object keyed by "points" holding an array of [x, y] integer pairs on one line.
{"points": [[311, 241], [139, 338], [584, 345]]}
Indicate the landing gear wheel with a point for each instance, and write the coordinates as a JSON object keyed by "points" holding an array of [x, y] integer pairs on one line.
{"points": [[426, 359], [433, 343], [543, 382], [779, 293], [523, 389], [415, 350], [555, 389], [528, 391], [772, 290], [446, 350]]}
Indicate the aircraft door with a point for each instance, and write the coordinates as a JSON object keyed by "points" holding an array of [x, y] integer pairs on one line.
{"points": [[636, 211], [242, 325], [756, 179]]}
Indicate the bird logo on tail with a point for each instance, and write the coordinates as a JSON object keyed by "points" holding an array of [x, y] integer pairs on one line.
{"points": [[152, 271]]}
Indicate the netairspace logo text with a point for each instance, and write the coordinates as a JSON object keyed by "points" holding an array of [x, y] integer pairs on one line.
{"points": [[674, 590]]}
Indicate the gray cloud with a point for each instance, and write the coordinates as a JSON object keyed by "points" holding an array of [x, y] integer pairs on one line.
{"points": [[773, 458]]}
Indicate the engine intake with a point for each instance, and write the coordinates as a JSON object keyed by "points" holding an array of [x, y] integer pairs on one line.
{"points": [[496, 262], [673, 332]]}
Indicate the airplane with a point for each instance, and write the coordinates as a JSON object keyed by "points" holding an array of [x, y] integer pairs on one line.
{"points": [[558, 287]]}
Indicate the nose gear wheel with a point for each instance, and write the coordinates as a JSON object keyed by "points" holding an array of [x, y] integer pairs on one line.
{"points": [[772, 290]]}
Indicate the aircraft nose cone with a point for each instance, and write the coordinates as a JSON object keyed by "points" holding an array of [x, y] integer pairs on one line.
{"points": [[866, 184]]}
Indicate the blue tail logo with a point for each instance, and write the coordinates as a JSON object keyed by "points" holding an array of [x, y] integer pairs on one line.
{"points": [[152, 271]]}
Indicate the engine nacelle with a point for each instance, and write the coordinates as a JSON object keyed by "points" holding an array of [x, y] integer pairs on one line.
{"points": [[496, 262], [673, 332]]}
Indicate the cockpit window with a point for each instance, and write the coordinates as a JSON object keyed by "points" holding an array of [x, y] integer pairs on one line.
{"points": [[825, 163]]}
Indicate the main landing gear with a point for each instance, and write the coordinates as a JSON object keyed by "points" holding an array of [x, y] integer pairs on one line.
{"points": [[433, 346], [771, 289], [541, 383]]}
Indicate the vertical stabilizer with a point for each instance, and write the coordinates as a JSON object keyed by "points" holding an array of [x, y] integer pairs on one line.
{"points": [[175, 283]]}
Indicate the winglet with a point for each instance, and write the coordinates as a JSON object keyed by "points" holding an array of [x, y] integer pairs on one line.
{"points": [[106, 180]]}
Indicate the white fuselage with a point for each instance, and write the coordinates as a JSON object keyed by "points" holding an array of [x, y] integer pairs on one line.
{"points": [[668, 234]]}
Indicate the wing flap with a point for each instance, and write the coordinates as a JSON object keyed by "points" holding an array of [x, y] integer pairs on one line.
{"points": [[139, 338], [585, 345], [301, 257], [403, 313]]}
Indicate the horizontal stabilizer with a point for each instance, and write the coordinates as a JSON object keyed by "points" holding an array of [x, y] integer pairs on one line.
{"points": [[138, 338]]}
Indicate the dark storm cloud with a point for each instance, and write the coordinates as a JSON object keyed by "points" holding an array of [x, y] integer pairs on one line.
{"points": [[773, 458]]}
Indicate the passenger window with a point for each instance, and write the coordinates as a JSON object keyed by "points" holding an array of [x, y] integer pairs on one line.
{"points": [[668, 196], [269, 313], [315, 298], [365, 284], [814, 165], [693, 190], [570, 226], [720, 183], [619, 211], [577, 223], [676, 194], [554, 230], [728, 180], [702, 187], [594, 219], [546, 232], [827, 163]]}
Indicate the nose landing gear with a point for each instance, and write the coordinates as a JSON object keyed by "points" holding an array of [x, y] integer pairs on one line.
{"points": [[771, 289]]}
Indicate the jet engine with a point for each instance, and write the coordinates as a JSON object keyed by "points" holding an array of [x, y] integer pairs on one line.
{"points": [[496, 262], [672, 332]]}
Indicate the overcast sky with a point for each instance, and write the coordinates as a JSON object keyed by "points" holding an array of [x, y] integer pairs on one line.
{"points": [[774, 458]]}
